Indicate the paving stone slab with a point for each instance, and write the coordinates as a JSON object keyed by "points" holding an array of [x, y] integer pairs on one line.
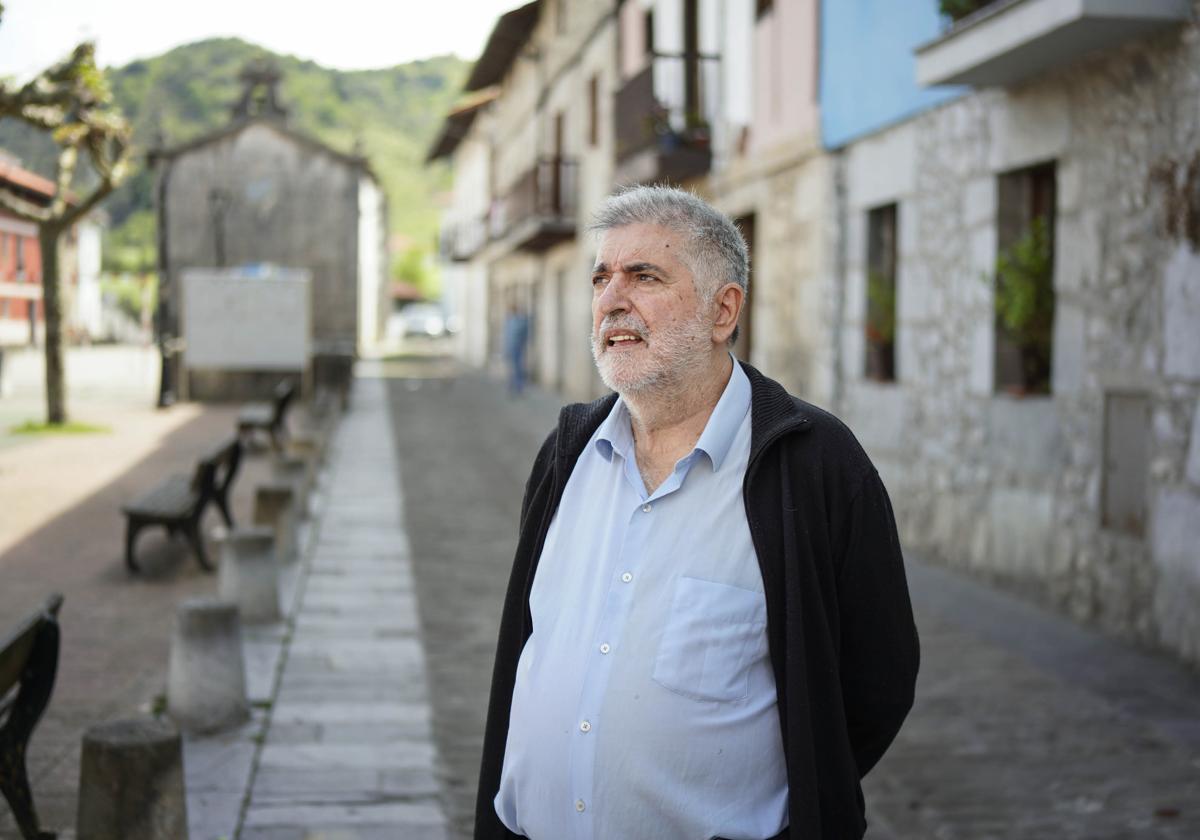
{"points": [[214, 816], [331, 692], [348, 733], [396, 814], [276, 785], [391, 582], [391, 626], [366, 713], [358, 832]]}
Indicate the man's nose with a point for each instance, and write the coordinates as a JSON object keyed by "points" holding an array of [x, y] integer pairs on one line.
{"points": [[615, 296]]}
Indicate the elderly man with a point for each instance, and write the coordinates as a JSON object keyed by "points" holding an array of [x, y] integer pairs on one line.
{"points": [[707, 631]]}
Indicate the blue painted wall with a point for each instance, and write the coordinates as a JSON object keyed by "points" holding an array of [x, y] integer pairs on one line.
{"points": [[868, 72]]}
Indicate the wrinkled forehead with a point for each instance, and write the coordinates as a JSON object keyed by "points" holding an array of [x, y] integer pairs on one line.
{"points": [[642, 243]]}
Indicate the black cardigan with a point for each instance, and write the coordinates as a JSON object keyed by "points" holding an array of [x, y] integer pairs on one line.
{"points": [[840, 629]]}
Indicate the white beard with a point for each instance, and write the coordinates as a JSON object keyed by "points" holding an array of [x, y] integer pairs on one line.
{"points": [[669, 358]]}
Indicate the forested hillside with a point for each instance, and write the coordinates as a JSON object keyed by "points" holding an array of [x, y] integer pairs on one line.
{"points": [[395, 113]]}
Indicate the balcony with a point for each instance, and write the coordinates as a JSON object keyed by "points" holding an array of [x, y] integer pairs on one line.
{"points": [[538, 212], [663, 120], [460, 241], [1009, 41]]}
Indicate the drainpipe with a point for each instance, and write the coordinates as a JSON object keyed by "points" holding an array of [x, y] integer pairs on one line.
{"points": [[840, 260]]}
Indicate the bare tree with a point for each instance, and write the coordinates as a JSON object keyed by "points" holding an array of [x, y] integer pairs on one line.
{"points": [[72, 103]]}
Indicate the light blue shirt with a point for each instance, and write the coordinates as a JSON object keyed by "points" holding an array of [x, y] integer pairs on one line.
{"points": [[644, 704]]}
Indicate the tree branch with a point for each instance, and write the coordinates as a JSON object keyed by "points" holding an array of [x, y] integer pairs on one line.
{"points": [[112, 173], [68, 156]]}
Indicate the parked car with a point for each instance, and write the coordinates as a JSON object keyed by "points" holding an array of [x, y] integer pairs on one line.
{"points": [[418, 319]]}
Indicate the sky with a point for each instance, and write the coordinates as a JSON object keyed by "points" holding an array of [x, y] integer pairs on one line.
{"points": [[345, 34]]}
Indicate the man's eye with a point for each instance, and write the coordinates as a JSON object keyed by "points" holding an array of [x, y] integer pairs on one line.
{"points": [[597, 279], [646, 277]]}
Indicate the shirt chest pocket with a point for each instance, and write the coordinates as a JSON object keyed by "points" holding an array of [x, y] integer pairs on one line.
{"points": [[714, 635]]}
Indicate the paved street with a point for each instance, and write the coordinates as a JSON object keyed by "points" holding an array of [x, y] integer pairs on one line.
{"points": [[348, 752], [1025, 725], [369, 702]]}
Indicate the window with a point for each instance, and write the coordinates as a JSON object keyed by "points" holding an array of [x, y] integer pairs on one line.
{"points": [[594, 111], [881, 294], [1024, 299], [762, 7], [649, 24], [1123, 492], [20, 249]]}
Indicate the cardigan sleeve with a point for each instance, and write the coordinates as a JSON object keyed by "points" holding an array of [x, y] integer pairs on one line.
{"points": [[880, 651], [511, 641]]}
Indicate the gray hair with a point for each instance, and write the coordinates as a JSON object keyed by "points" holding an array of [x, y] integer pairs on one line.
{"points": [[714, 248]]}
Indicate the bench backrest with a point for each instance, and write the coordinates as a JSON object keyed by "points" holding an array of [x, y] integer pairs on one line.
{"points": [[17, 645], [217, 469], [284, 392]]}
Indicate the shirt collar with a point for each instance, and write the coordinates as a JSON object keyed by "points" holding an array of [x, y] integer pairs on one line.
{"points": [[616, 435]]}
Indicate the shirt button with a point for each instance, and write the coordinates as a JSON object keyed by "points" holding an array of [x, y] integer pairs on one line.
{"points": [[604, 648], [646, 508], [585, 727], [579, 806], [626, 577]]}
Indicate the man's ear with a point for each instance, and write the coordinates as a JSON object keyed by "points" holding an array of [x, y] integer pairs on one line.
{"points": [[728, 303]]}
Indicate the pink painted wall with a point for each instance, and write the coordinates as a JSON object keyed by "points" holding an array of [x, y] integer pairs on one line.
{"points": [[785, 74], [632, 35]]}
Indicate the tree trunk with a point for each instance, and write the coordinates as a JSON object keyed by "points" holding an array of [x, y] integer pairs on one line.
{"points": [[56, 403]]}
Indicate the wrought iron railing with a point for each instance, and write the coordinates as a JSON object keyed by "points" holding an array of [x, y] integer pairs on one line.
{"points": [[668, 104], [547, 192], [462, 240]]}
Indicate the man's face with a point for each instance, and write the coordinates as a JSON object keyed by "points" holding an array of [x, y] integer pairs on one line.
{"points": [[650, 327]]}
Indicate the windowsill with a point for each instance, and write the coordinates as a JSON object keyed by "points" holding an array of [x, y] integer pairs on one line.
{"points": [[1019, 397]]}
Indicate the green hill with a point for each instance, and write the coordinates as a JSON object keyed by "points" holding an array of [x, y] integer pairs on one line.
{"points": [[393, 112]]}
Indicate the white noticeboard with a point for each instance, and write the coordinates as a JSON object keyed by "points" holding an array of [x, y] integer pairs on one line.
{"points": [[246, 320]]}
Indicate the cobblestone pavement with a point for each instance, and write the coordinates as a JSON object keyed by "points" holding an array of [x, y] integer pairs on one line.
{"points": [[348, 752], [1025, 725]]}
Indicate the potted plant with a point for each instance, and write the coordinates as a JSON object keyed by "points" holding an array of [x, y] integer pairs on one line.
{"points": [[881, 326], [1025, 300], [956, 10]]}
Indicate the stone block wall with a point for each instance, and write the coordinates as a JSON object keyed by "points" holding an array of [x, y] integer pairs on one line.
{"points": [[1012, 487]]}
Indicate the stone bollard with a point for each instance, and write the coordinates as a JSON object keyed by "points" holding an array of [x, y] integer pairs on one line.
{"points": [[131, 783], [249, 574], [310, 444], [294, 470], [206, 676], [275, 507]]}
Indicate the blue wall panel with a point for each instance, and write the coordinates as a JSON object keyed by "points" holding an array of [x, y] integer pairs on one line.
{"points": [[868, 71]]}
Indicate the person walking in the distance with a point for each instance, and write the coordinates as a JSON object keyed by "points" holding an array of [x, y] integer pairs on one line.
{"points": [[516, 339], [707, 631]]}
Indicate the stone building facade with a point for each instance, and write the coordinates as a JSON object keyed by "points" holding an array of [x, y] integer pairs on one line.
{"points": [[258, 192], [1078, 495], [978, 242]]}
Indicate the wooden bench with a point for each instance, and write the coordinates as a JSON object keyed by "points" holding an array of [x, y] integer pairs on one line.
{"points": [[28, 663], [269, 416], [178, 502]]}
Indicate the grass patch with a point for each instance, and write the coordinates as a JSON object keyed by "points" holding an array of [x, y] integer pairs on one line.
{"points": [[32, 427]]}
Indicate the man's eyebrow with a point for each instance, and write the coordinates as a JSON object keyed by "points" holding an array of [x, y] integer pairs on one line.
{"points": [[637, 267], [629, 268]]}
